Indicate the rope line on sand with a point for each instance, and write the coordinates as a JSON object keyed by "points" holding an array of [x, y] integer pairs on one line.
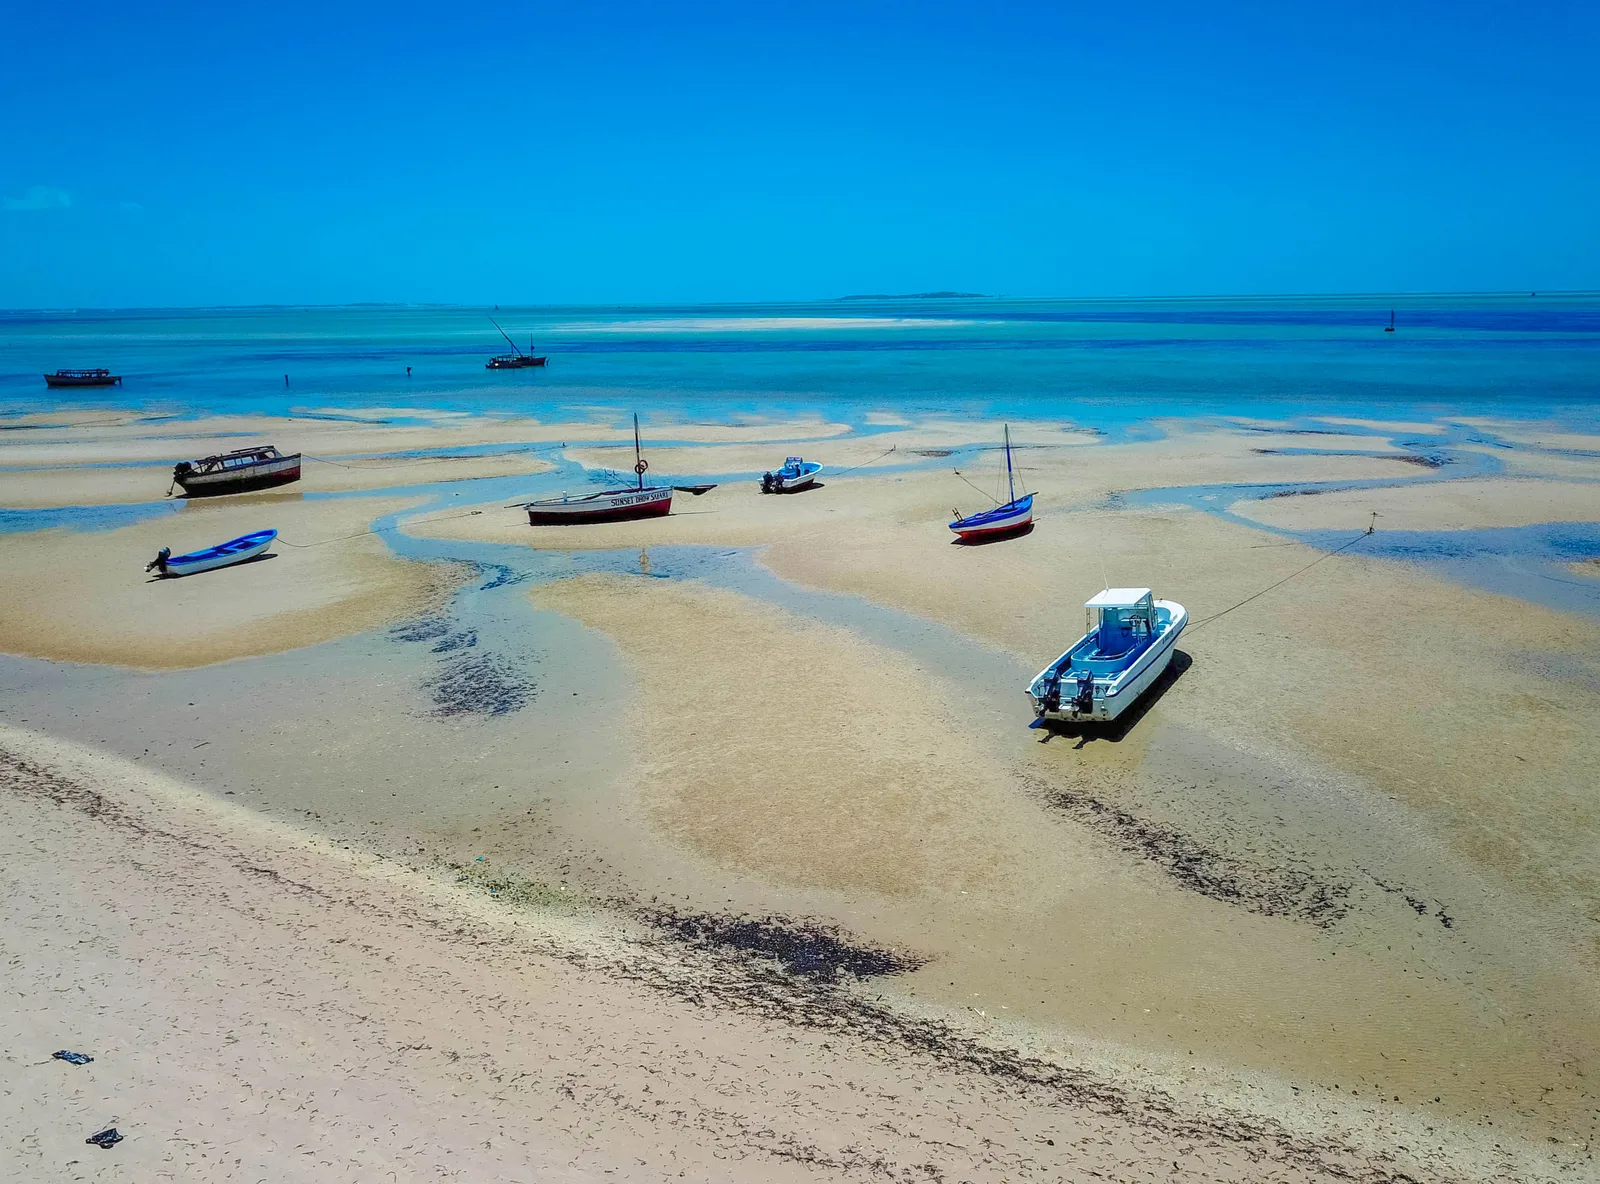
{"points": [[863, 464], [376, 530], [985, 492], [1326, 555]]}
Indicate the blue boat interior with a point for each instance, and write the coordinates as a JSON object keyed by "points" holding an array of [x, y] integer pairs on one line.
{"points": [[1116, 642]]}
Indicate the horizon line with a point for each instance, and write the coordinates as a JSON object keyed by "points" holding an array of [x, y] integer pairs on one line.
{"points": [[1524, 294]]}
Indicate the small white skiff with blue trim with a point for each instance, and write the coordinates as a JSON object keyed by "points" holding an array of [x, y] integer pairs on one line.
{"points": [[1130, 641], [233, 551], [797, 473]]}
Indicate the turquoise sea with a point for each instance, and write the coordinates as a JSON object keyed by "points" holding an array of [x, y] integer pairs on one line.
{"points": [[1118, 366]]}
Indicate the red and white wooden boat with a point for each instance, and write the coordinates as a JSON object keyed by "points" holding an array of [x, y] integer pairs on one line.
{"points": [[236, 472], [608, 505]]}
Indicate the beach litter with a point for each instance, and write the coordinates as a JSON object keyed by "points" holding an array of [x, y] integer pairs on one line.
{"points": [[106, 1139], [72, 1058]]}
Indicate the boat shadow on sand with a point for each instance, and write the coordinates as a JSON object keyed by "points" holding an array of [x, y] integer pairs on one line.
{"points": [[1117, 729], [261, 558]]}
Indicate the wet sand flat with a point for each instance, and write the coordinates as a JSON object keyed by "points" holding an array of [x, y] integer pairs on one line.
{"points": [[1338, 875], [260, 1001], [989, 853], [85, 597], [1452, 505]]}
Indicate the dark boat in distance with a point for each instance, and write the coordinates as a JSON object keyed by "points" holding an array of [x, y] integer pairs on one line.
{"points": [[82, 378], [516, 361], [236, 472]]}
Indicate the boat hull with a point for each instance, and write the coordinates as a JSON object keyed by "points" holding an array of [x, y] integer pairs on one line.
{"points": [[515, 364], [237, 550], [794, 482], [1008, 519], [58, 380], [281, 471], [1114, 696], [614, 505]]}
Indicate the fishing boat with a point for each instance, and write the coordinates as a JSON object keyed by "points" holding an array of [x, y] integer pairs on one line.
{"points": [[246, 546], [795, 474], [236, 472], [513, 361], [1012, 517], [82, 378], [609, 505], [1130, 640]]}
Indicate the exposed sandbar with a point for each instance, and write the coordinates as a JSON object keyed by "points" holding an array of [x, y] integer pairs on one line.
{"points": [[1448, 505], [84, 596]]}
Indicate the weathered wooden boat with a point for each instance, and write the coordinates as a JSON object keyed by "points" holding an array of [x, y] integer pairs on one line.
{"points": [[82, 378], [1130, 640], [236, 472], [608, 505], [512, 361], [1012, 517], [233, 551], [795, 474]]}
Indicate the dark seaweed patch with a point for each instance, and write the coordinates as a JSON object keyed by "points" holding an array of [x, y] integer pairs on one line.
{"points": [[466, 639], [500, 575], [1415, 901], [478, 684], [1428, 460], [1270, 890], [934, 452], [806, 948], [424, 629]]}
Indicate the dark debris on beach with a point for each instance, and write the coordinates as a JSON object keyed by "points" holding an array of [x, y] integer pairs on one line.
{"points": [[479, 684], [809, 949], [1272, 890]]}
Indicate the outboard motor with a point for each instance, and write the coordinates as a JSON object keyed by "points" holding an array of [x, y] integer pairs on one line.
{"points": [[1083, 702], [766, 482], [160, 561]]}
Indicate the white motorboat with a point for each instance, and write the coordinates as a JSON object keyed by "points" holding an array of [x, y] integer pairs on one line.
{"points": [[1130, 640]]}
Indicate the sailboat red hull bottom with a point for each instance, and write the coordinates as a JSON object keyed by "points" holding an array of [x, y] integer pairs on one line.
{"points": [[611, 506]]}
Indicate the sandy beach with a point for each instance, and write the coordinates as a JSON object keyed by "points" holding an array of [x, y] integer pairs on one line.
{"points": [[1323, 910]]}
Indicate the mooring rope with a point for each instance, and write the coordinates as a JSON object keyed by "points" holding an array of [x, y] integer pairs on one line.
{"points": [[863, 464], [376, 530], [1326, 555], [985, 492]]}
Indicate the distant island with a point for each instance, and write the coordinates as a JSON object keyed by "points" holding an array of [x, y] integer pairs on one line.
{"points": [[915, 296]]}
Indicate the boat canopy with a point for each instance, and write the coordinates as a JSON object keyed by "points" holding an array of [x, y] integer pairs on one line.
{"points": [[1121, 598]]}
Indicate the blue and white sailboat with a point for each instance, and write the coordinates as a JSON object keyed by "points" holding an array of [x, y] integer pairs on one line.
{"points": [[1015, 516], [1130, 641]]}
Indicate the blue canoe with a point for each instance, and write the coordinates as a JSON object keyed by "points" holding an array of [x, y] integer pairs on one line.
{"points": [[237, 550]]}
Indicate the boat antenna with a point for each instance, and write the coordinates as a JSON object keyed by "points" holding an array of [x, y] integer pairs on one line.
{"points": [[639, 462], [503, 333], [1011, 486]]}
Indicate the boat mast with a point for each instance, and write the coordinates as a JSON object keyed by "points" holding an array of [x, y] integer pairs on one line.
{"points": [[638, 458], [1011, 488], [503, 333]]}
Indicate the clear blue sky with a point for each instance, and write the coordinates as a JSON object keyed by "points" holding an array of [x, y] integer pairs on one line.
{"points": [[199, 153]]}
